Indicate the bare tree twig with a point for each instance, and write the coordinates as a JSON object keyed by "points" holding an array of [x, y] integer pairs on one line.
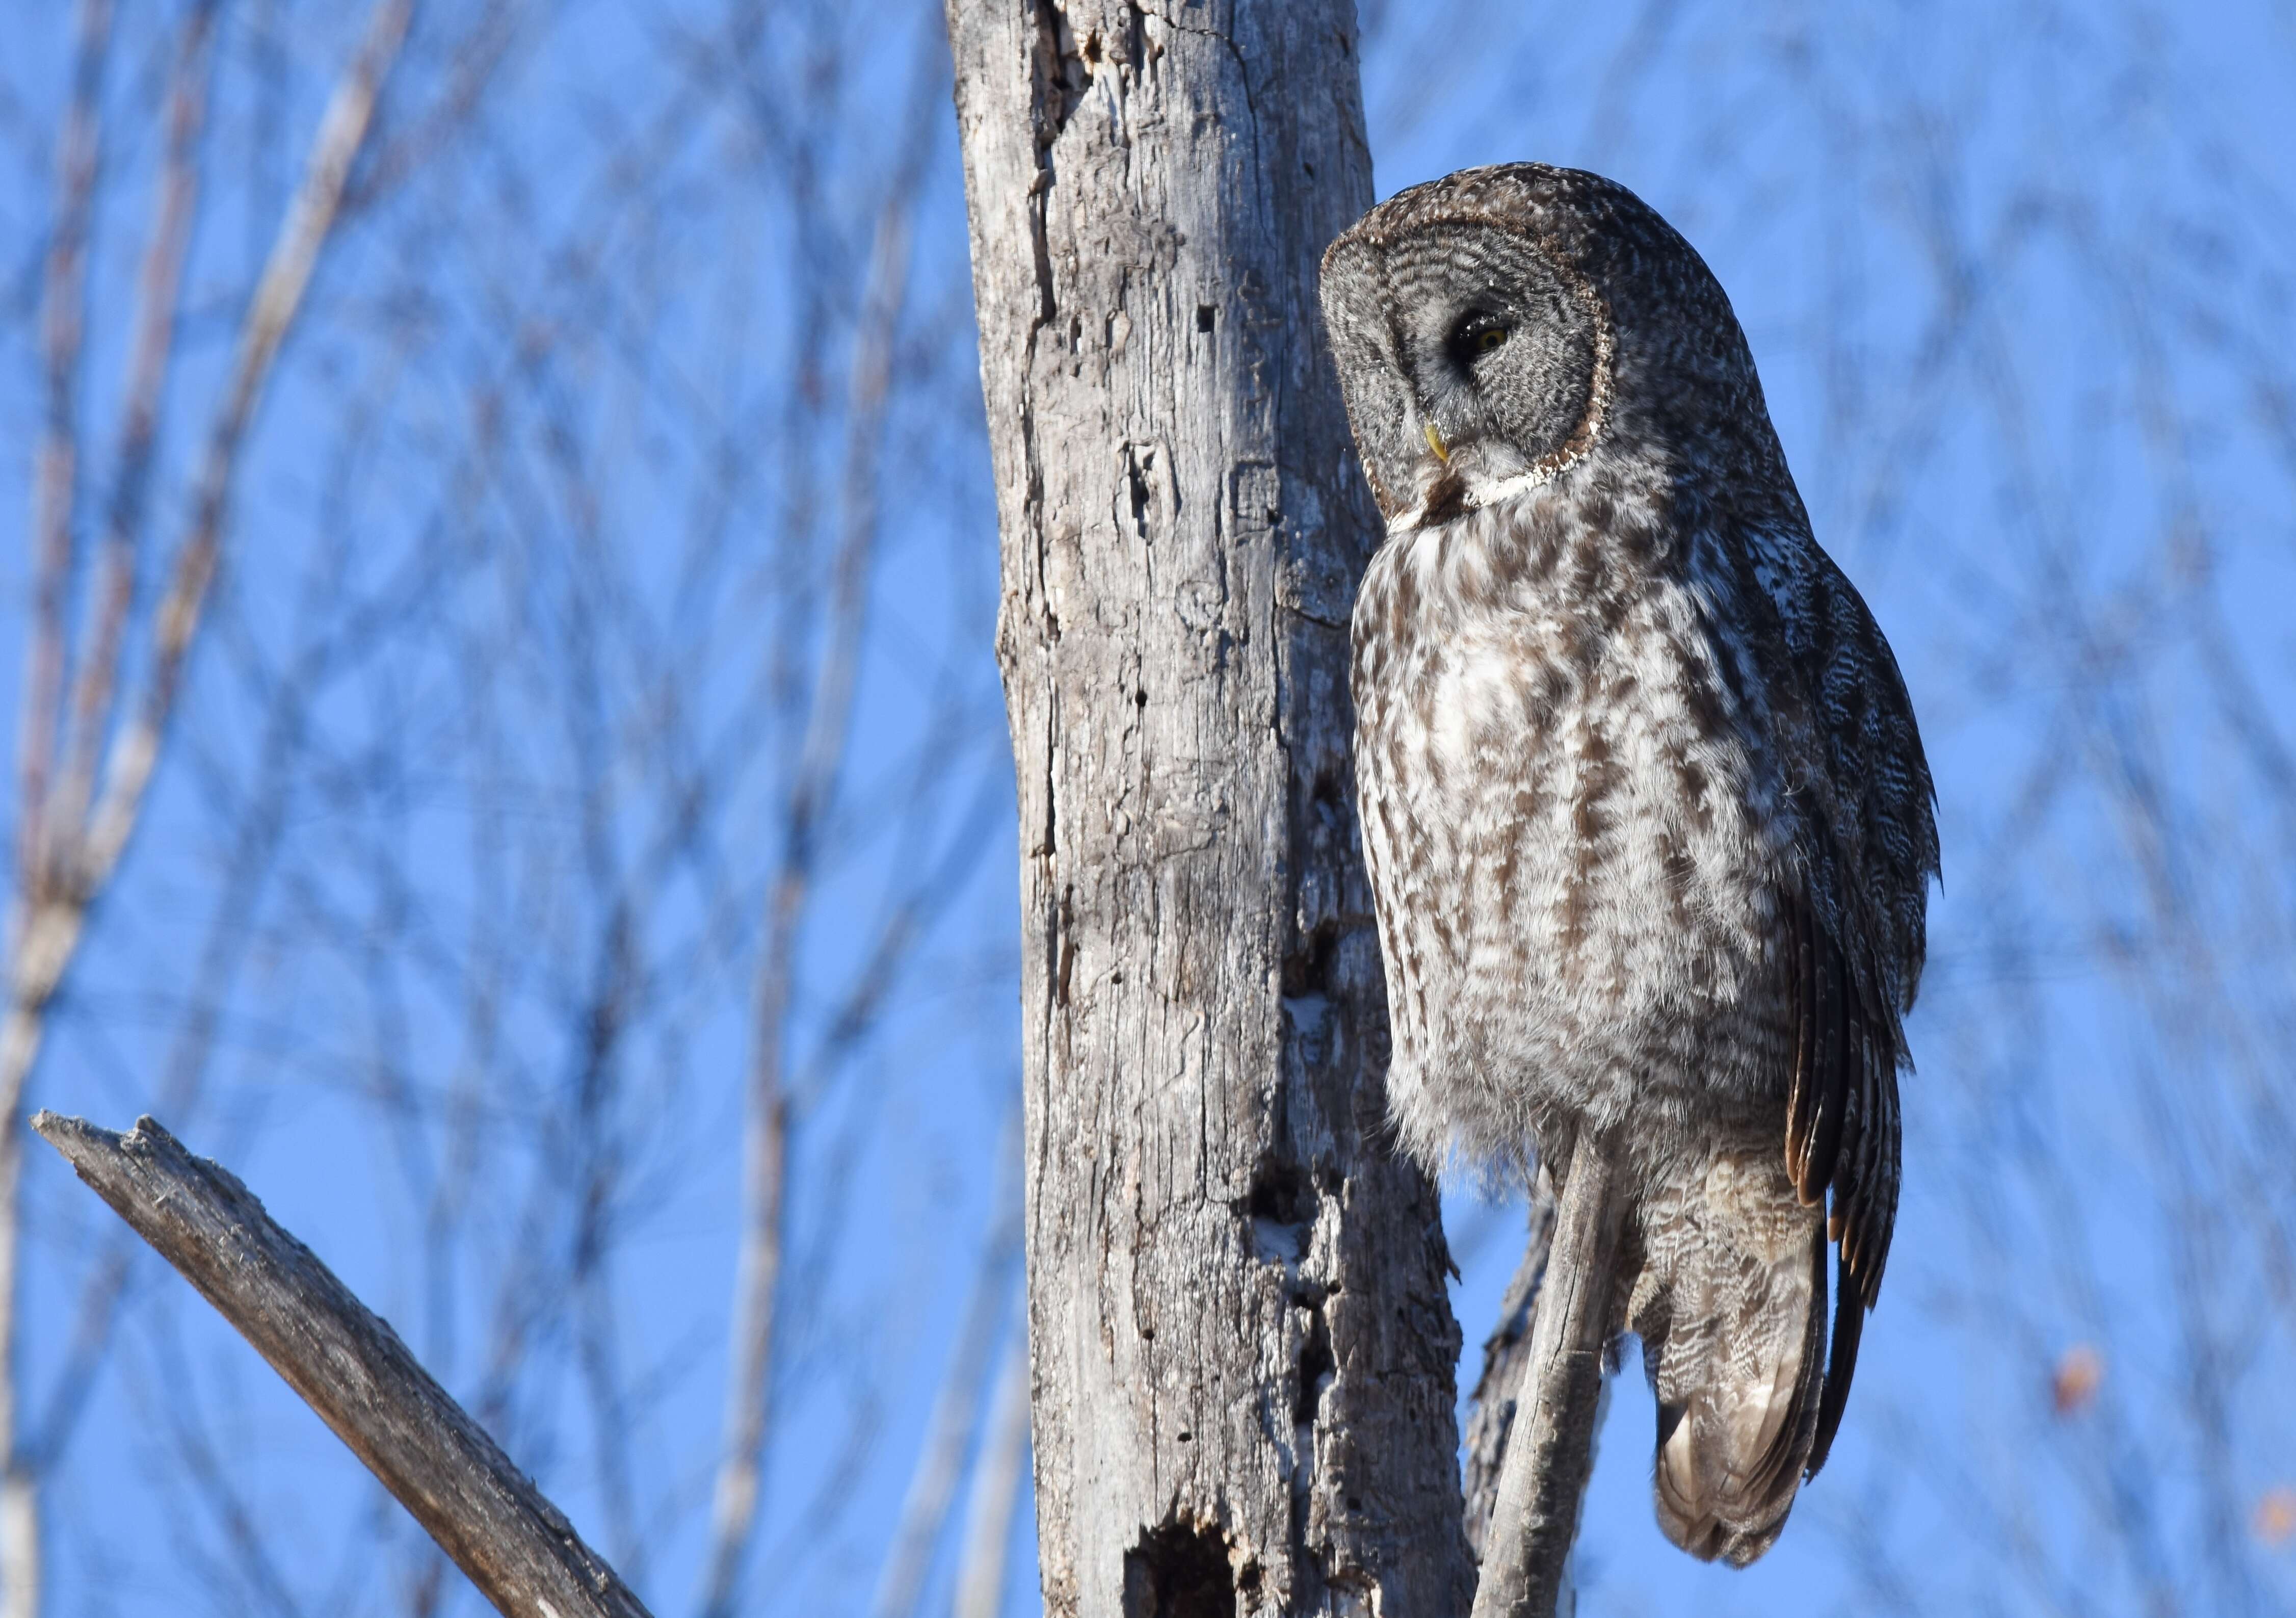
{"points": [[278, 296], [476, 65], [765, 1136], [481, 675], [62, 865], [54, 483], [996, 1484], [932, 1485], [765, 1172], [158, 283], [350, 1367], [1543, 1479]]}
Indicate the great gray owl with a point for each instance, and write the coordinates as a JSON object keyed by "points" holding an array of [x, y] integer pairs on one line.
{"points": [[1649, 828]]}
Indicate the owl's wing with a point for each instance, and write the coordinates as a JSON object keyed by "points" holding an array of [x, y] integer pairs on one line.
{"points": [[1868, 851], [1842, 1135], [1870, 822]]}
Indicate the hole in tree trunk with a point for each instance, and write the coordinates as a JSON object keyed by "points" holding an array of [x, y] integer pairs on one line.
{"points": [[1281, 1192], [1281, 1210], [1315, 1367], [1180, 1570]]}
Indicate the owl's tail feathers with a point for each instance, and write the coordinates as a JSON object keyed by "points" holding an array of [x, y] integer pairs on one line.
{"points": [[1736, 1356]]}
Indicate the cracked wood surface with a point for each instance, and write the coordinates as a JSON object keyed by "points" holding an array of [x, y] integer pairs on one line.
{"points": [[1242, 1350], [350, 1367]]}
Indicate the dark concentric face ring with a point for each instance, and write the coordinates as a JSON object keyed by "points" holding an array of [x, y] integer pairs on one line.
{"points": [[1466, 342]]}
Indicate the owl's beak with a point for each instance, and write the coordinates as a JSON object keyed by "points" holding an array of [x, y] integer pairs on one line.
{"points": [[1435, 442]]}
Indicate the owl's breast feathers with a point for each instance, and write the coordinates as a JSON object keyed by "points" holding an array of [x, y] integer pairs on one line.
{"points": [[1576, 811]]}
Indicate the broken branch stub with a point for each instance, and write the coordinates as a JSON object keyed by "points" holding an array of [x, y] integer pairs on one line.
{"points": [[348, 1364]]}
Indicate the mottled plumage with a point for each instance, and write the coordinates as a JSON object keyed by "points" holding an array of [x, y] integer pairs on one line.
{"points": [[1648, 823]]}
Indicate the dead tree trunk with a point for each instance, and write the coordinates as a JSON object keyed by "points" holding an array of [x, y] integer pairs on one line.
{"points": [[1242, 1348]]}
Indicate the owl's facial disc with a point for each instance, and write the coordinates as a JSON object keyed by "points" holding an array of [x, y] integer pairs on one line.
{"points": [[1466, 335]]}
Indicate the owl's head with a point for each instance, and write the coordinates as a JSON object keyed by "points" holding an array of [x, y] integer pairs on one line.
{"points": [[1494, 327]]}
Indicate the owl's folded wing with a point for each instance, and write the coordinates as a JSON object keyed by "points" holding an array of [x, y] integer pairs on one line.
{"points": [[1869, 853], [1842, 1135]]}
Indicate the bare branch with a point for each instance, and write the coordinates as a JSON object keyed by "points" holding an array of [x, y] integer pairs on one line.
{"points": [[1543, 1481], [765, 1135], [932, 1485], [158, 283], [476, 64], [278, 296], [54, 482], [350, 1367], [1506, 1352], [63, 865], [757, 1282], [996, 1485], [63, 324]]}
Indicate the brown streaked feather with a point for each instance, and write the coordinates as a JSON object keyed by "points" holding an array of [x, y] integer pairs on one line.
{"points": [[1777, 1472], [1801, 1105], [1877, 1187], [1832, 1088], [1853, 1173], [1866, 1192], [1735, 1348], [1881, 1076], [1882, 1195], [1853, 1108]]}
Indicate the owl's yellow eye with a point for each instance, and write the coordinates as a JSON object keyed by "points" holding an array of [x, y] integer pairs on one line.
{"points": [[1477, 335]]}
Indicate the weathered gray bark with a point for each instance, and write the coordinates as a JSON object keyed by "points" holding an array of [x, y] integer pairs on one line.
{"points": [[1543, 1477], [1243, 1351], [350, 1367]]}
